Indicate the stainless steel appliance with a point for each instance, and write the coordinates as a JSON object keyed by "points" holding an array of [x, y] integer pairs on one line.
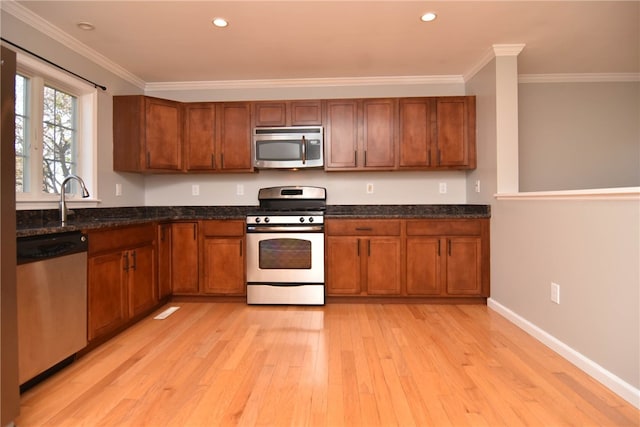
{"points": [[285, 247], [288, 147], [51, 281]]}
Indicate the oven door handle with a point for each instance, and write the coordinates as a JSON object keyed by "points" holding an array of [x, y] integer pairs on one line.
{"points": [[285, 229]]}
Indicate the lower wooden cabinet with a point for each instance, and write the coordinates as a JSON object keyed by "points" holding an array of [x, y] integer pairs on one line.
{"points": [[121, 277], [164, 260], [411, 258], [223, 258], [363, 257], [447, 257], [184, 257]]}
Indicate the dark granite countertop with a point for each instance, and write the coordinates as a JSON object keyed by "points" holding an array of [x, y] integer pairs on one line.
{"points": [[38, 222]]}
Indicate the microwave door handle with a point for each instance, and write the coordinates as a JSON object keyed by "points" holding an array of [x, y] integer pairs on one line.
{"points": [[304, 150]]}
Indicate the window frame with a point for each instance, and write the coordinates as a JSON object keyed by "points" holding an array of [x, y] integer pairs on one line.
{"points": [[39, 75]]}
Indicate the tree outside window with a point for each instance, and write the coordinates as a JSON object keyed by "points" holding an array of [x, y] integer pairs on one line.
{"points": [[58, 151], [59, 136]]}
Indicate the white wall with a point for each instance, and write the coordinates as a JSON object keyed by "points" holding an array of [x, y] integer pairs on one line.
{"points": [[591, 248], [342, 187], [579, 135]]}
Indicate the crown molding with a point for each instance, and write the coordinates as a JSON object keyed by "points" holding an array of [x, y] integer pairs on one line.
{"points": [[495, 51], [508, 49], [304, 83], [50, 30], [579, 78]]}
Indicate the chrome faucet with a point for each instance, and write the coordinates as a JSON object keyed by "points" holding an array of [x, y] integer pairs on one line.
{"points": [[63, 202]]}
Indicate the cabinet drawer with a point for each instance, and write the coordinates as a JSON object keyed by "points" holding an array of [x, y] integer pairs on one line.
{"points": [[359, 227], [223, 228], [453, 227], [119, 238]]}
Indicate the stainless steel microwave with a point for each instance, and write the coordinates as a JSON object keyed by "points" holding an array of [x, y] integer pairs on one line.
{"points": [[289, 147]]}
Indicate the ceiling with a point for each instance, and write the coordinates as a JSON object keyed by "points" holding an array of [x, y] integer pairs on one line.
{"points": [[174, 41]]}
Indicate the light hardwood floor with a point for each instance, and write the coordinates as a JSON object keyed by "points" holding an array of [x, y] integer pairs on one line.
{"points": [[213, 364]]}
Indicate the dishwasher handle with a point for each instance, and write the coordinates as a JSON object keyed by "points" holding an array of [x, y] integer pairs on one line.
{"points": [[37, 248]]}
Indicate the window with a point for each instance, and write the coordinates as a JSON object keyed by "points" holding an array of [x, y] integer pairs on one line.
{"points": [[55, 133]]}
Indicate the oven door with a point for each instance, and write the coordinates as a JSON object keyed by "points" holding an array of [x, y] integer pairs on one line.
{"points": [[285, 258]]}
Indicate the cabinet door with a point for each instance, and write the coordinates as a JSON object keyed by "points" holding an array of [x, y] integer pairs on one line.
{"points": [[455, 131], [106, 293], [184, 257], [199, 136], [164, 260], [464, 260], [379, 118], [415, 133], [163, 134], [270, 113], [305, 113], [141, 280], [224, 266], [383, 266], [341, 134], [235, 136], [343, 269], [424, 266]]}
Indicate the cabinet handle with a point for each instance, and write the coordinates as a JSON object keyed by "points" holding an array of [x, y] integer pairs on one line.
{"points": [[438, 247], [304, 150], [369, 248], [222, 160], [162, 233], [213, 161], [126, 261], [358, 247], [135, 261], [195, 233], [449, 246], [240, 247], [355, 154], [438, 153], [365, 157], [148, 159], [364, 229]]}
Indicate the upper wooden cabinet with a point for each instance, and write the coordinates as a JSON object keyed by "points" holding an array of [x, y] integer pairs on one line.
{"points": [[233, 141], [200, 136], [287, 113], [155, 135], [147, 134], [217, 137], [437, 133], [360, 134]]}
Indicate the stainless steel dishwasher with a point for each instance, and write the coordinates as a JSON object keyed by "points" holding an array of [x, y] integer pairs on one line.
{"points": [[52, 303]]}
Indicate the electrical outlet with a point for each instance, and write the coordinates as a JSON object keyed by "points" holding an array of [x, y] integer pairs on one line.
{"points": [[370, 188], [555, 293], [239, 190], [443, 188], [118, 189], [195, 190], [477, 186]]}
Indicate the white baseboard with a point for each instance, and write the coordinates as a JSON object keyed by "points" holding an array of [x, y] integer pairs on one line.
{"points": [[608, 379]]}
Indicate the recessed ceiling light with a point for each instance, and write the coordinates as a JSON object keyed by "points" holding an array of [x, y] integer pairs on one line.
{"points": [[87, 26], [428, 17], [220, 22]]}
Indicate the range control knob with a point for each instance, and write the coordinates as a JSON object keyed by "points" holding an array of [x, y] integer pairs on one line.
{"points": [[310, 219], [301, 219], [257, 220], [266, 219]]}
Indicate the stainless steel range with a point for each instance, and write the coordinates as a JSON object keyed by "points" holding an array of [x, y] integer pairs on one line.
{"points": [[285, 247]]}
